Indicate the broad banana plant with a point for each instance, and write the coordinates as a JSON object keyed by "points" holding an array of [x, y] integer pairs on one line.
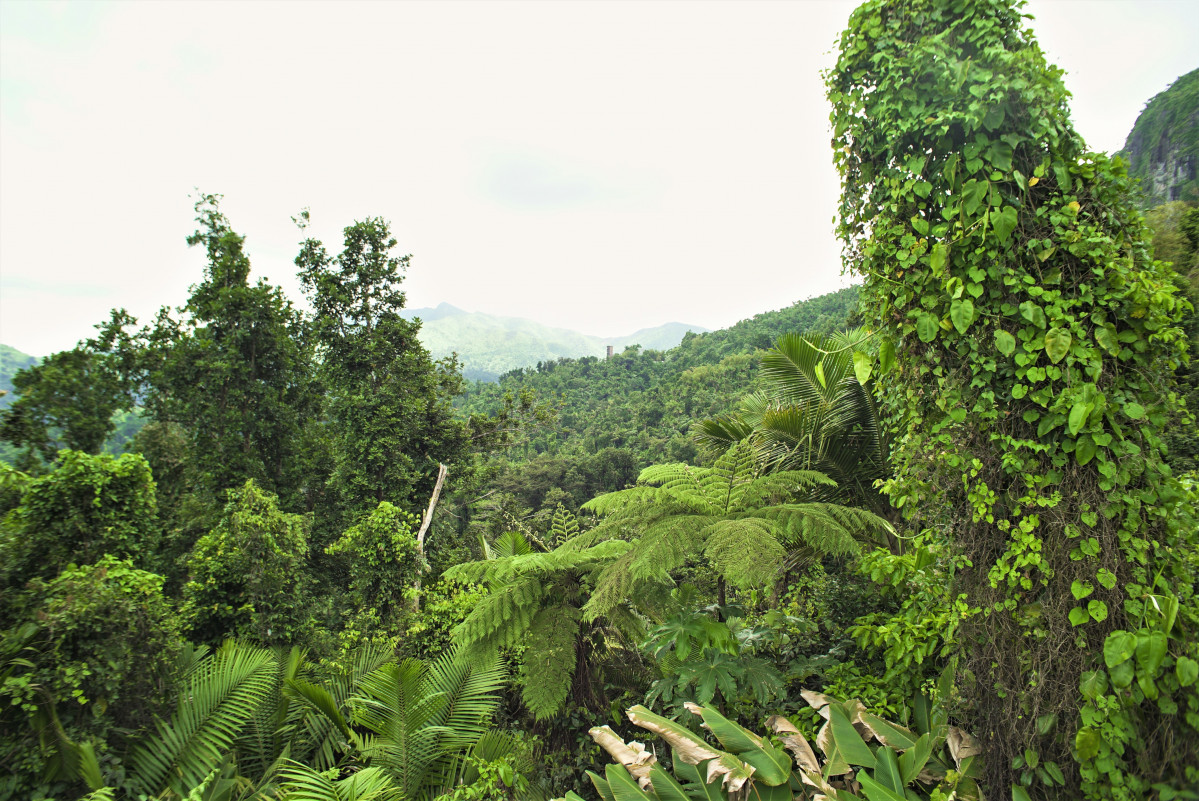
{"points": [[864, 756]]}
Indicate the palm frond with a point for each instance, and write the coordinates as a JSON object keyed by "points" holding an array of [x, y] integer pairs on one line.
{"points": [[471, 688], [218, 698], [398, 706], [302, 783]]}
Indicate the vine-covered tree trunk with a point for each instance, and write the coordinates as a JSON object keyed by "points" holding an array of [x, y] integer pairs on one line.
{"points": [[1036, 342]]}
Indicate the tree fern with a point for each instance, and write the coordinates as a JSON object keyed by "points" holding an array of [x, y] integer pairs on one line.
{"points": [[744, 524], [535, 601], [549, 660], [812, 414], [218, 699]]}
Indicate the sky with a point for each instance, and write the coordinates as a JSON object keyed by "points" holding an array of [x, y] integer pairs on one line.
{"points": [[599, 166]]}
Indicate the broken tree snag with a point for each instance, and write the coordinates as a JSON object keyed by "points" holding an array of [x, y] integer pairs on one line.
{"points": [[424, 528]]}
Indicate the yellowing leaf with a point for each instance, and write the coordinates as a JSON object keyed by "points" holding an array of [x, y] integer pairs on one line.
{"points": [[1057, 344], [1034, 181], [1005, 342]]}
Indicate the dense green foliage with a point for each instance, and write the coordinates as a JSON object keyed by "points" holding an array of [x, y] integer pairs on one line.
{"points": [[329, 568], [1009, 268]]}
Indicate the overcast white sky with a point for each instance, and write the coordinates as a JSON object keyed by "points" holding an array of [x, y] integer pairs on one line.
{"points": [[599, 166]]}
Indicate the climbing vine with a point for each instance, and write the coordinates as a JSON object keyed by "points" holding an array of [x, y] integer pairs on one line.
{"points": [[1028, 349]]}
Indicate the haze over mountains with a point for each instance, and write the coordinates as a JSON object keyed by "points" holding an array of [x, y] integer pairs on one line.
{"points": [[489, 346]]}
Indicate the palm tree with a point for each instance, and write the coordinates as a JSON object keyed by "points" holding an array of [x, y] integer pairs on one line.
{"points": [[813, 414], [251, 721]]}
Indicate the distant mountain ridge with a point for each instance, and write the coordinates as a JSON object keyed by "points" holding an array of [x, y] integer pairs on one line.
{"points": [[489, 346], [11, 361]]}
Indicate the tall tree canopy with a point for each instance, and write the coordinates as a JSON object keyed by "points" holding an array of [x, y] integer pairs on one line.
{"points": [[390, 413], [233, 371]]}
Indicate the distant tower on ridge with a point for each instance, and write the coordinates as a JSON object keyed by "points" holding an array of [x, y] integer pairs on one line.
{"points": [[609, 352]]}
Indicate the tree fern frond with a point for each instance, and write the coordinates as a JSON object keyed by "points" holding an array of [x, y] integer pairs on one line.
{"points": [[829, 528], [548, 663], [218, 698], [507, 611], [785, 485], [667, 544], [613, 502], [746, 552], [612, 588]]}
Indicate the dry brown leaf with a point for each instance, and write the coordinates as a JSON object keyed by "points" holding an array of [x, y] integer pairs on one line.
{"points": [[961, 745], [636, 758], [687, 748], [818, 701], [794, 742]]}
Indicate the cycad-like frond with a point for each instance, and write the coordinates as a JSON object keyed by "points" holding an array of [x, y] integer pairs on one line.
{"points": [[266, 734], [302, 783], [321, 707], [397, 705], [510, 543], [471, 688], [806, 370], [548, 664], [720, 433], [218, 698]]}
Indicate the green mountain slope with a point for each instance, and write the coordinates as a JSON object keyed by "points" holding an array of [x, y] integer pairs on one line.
{"points": [[1163, 147], [489, 346], [12, 360], [643, 403]]}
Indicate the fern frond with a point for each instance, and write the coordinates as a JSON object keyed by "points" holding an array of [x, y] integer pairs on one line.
{"points": [[829, 528], [503, 615], [746, 552], [563, 525], [785, 485], [667, 544], [219, 696], [548, 664], [613, 502], [612, 588]]}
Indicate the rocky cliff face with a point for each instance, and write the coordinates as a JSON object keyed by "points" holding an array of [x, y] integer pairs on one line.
{"points": [[1163, 147]]}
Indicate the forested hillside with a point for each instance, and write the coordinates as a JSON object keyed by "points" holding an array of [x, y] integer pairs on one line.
{"points": [[931, 537], [488, 346]]}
